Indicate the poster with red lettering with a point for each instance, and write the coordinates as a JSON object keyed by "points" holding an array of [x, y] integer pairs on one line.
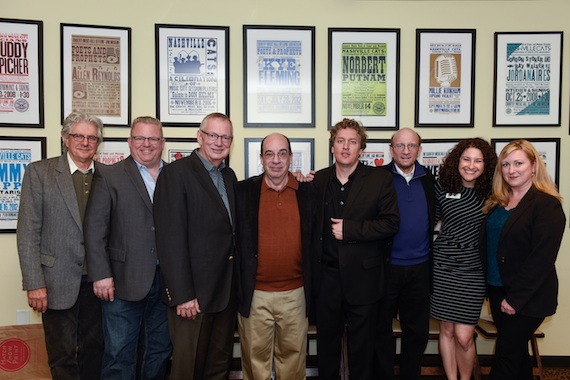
{"points": [[21, 78]]}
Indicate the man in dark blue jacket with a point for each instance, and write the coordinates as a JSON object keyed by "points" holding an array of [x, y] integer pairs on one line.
{"points": [[407, 287]]}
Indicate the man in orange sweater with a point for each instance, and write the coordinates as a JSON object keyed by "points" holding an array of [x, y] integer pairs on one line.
{"points": [[274, 241]]}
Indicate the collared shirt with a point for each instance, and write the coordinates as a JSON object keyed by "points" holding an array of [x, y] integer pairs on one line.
{"points": [[218, 180], [279, 256], [407, 176], [73, 167], [148, 180], [336, 195]]}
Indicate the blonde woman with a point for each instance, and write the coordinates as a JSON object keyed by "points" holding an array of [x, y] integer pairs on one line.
{"points": [[520, 239]]}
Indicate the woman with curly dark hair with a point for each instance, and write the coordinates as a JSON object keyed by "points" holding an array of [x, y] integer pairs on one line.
{"points": [[464, 183]]}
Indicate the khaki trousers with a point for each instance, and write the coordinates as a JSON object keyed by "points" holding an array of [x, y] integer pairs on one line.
{"points": [[275, 333]]}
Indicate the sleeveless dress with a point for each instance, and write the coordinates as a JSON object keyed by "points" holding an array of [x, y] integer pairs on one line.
{"points": [[458, 282]]}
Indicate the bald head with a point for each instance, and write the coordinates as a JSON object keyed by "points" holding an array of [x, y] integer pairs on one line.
{"points": [[405, 147]]}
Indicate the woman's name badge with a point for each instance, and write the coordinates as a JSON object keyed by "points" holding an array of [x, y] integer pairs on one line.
{"points": [[453, 196]]}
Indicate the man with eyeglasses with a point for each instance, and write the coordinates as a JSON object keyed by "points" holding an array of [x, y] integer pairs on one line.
{"points": [[122, 259], [408, 275], [357, 214], [194, 213], [275, 217], [50, 242]]}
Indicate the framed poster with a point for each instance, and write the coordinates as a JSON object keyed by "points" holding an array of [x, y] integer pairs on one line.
{"points": [[96, 72], [445, 77], [303, 156], [177, 148], [279, 76], [15, 155], [112, 150], [377, 152], [364, 76], [433, 153], [192, 73], [21, 73], [528, 79], [548, 149]]}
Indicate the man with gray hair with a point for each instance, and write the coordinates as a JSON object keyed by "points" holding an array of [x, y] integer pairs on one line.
{"points": [[194, 213], [54, 195]]}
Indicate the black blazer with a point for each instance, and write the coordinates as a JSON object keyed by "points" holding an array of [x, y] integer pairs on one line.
{"points": [[370, 219], [194, 236], [247, 194], [528, 247]]}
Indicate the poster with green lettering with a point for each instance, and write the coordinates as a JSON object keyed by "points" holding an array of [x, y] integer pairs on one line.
{"points": [[363, 79]]}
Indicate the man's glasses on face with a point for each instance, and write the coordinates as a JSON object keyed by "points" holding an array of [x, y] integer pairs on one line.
{"points": [[139, 140], [401, 147], [269, 155], [213, 137], [80, 138]]}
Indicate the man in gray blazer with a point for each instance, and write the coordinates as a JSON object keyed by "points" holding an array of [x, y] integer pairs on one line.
{"points": [[52, 255], [122, 259]]}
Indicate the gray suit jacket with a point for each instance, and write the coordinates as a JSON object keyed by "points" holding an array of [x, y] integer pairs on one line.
{"points": [[50, 232], [119, 231]]}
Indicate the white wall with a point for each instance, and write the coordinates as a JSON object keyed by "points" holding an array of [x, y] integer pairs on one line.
{"points": [[485, 16]]}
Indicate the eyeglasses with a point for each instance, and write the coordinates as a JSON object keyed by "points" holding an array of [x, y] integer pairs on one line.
{"points": [[139, 140], [400, 147], [80, 138], [213, 137], [282, 154]]}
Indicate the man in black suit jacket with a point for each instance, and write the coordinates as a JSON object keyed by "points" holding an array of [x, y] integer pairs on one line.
{"points": [[357, 215], [122, 260], [194, 210], [275, 220]]}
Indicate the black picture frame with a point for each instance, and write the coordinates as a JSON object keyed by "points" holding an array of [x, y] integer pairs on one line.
{"points": [[192, 73], [16, 153], [445, 78], [22, 93], [96, 72], [527, 84], [279, 76], [356, 93]]}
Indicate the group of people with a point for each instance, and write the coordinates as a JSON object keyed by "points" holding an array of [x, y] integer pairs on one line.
{"points": [[142, 268]]}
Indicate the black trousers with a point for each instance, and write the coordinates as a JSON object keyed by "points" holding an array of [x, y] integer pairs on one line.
{"points": [[511, 360], [407, 292], [74, 337], [333, 312]]}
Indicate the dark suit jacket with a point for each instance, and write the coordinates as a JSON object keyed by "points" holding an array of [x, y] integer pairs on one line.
{"points": [[370, 219], [119, 231], [50, 232], [247, 205], [528, 247], [194, 236]]}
